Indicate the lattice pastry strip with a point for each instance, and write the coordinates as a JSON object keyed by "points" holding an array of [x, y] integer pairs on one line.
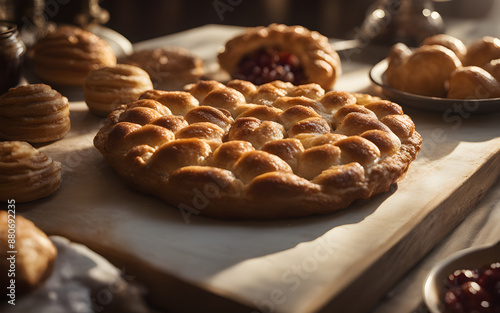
{"points": [[276, 150]]}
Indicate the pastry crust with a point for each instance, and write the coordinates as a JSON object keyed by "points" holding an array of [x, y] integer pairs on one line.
{"points": [[26, 173], [423, 71], [483, 51], [35, 255], [34, 113], [320, 62], [68, 55], [273, 151], [493, 67], [170, 68], [450, 42], [473, 82], [107, 88]]}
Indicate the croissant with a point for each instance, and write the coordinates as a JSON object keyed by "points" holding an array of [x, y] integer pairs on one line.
{"points": [[483, 51], [450, 42], [473, 82], [422, 72]]}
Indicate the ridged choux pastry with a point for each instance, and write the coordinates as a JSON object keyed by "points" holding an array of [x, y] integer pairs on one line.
{"points": [[34, 113], [69, 54], [26, 174], [169, 67], [108, 87]]}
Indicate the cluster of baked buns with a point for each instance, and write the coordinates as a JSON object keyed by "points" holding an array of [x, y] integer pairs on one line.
{"points": [[443, 66], [275, 150]]}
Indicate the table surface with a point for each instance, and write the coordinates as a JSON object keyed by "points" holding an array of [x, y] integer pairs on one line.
{"points": [[479, 227]]}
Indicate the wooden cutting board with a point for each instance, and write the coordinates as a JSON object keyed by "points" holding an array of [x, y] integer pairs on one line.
{"points": [[342, 262]]}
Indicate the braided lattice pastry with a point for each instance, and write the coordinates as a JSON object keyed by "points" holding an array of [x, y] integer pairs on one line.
{"points": [[241, 151]]}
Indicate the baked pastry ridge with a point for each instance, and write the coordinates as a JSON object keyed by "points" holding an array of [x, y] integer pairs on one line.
{"points": [[279, 52], [169, 67], [68, 55], [272, 151], [108, 87], [34, 113], [423, 71], [35, 255], [26, 174], [444, 67]]}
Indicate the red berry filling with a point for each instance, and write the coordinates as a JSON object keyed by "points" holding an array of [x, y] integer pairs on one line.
{"points": [[476, 290], [267, 65]]}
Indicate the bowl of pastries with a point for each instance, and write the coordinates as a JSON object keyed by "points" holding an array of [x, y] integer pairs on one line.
{"points": [[443, 74]]}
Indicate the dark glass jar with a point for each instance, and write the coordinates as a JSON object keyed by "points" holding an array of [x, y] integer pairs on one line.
{"points": [[12, 52]]}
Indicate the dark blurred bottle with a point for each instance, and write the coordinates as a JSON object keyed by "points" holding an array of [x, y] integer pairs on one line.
{"points": [[34, 18], [407, 21], [12, 52]]}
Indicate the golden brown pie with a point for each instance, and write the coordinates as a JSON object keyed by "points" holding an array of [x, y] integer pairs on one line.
{"points": [[170, 68], [279, 52], [26, 174], [34, 258], [108, 87], [34, 113], [270, 151], [68, 55]]}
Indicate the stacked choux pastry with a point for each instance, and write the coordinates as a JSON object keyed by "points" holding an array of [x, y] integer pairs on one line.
{"points": [[35, 113], [26, 174], [443, 66], [170, 68], [109, 87], [69, 54]]}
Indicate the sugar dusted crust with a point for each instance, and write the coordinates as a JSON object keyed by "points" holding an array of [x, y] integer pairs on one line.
{"points": [[273, 151]]}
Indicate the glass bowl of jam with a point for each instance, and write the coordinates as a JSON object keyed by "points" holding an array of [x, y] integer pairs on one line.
{"points": [[467, 281]]}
